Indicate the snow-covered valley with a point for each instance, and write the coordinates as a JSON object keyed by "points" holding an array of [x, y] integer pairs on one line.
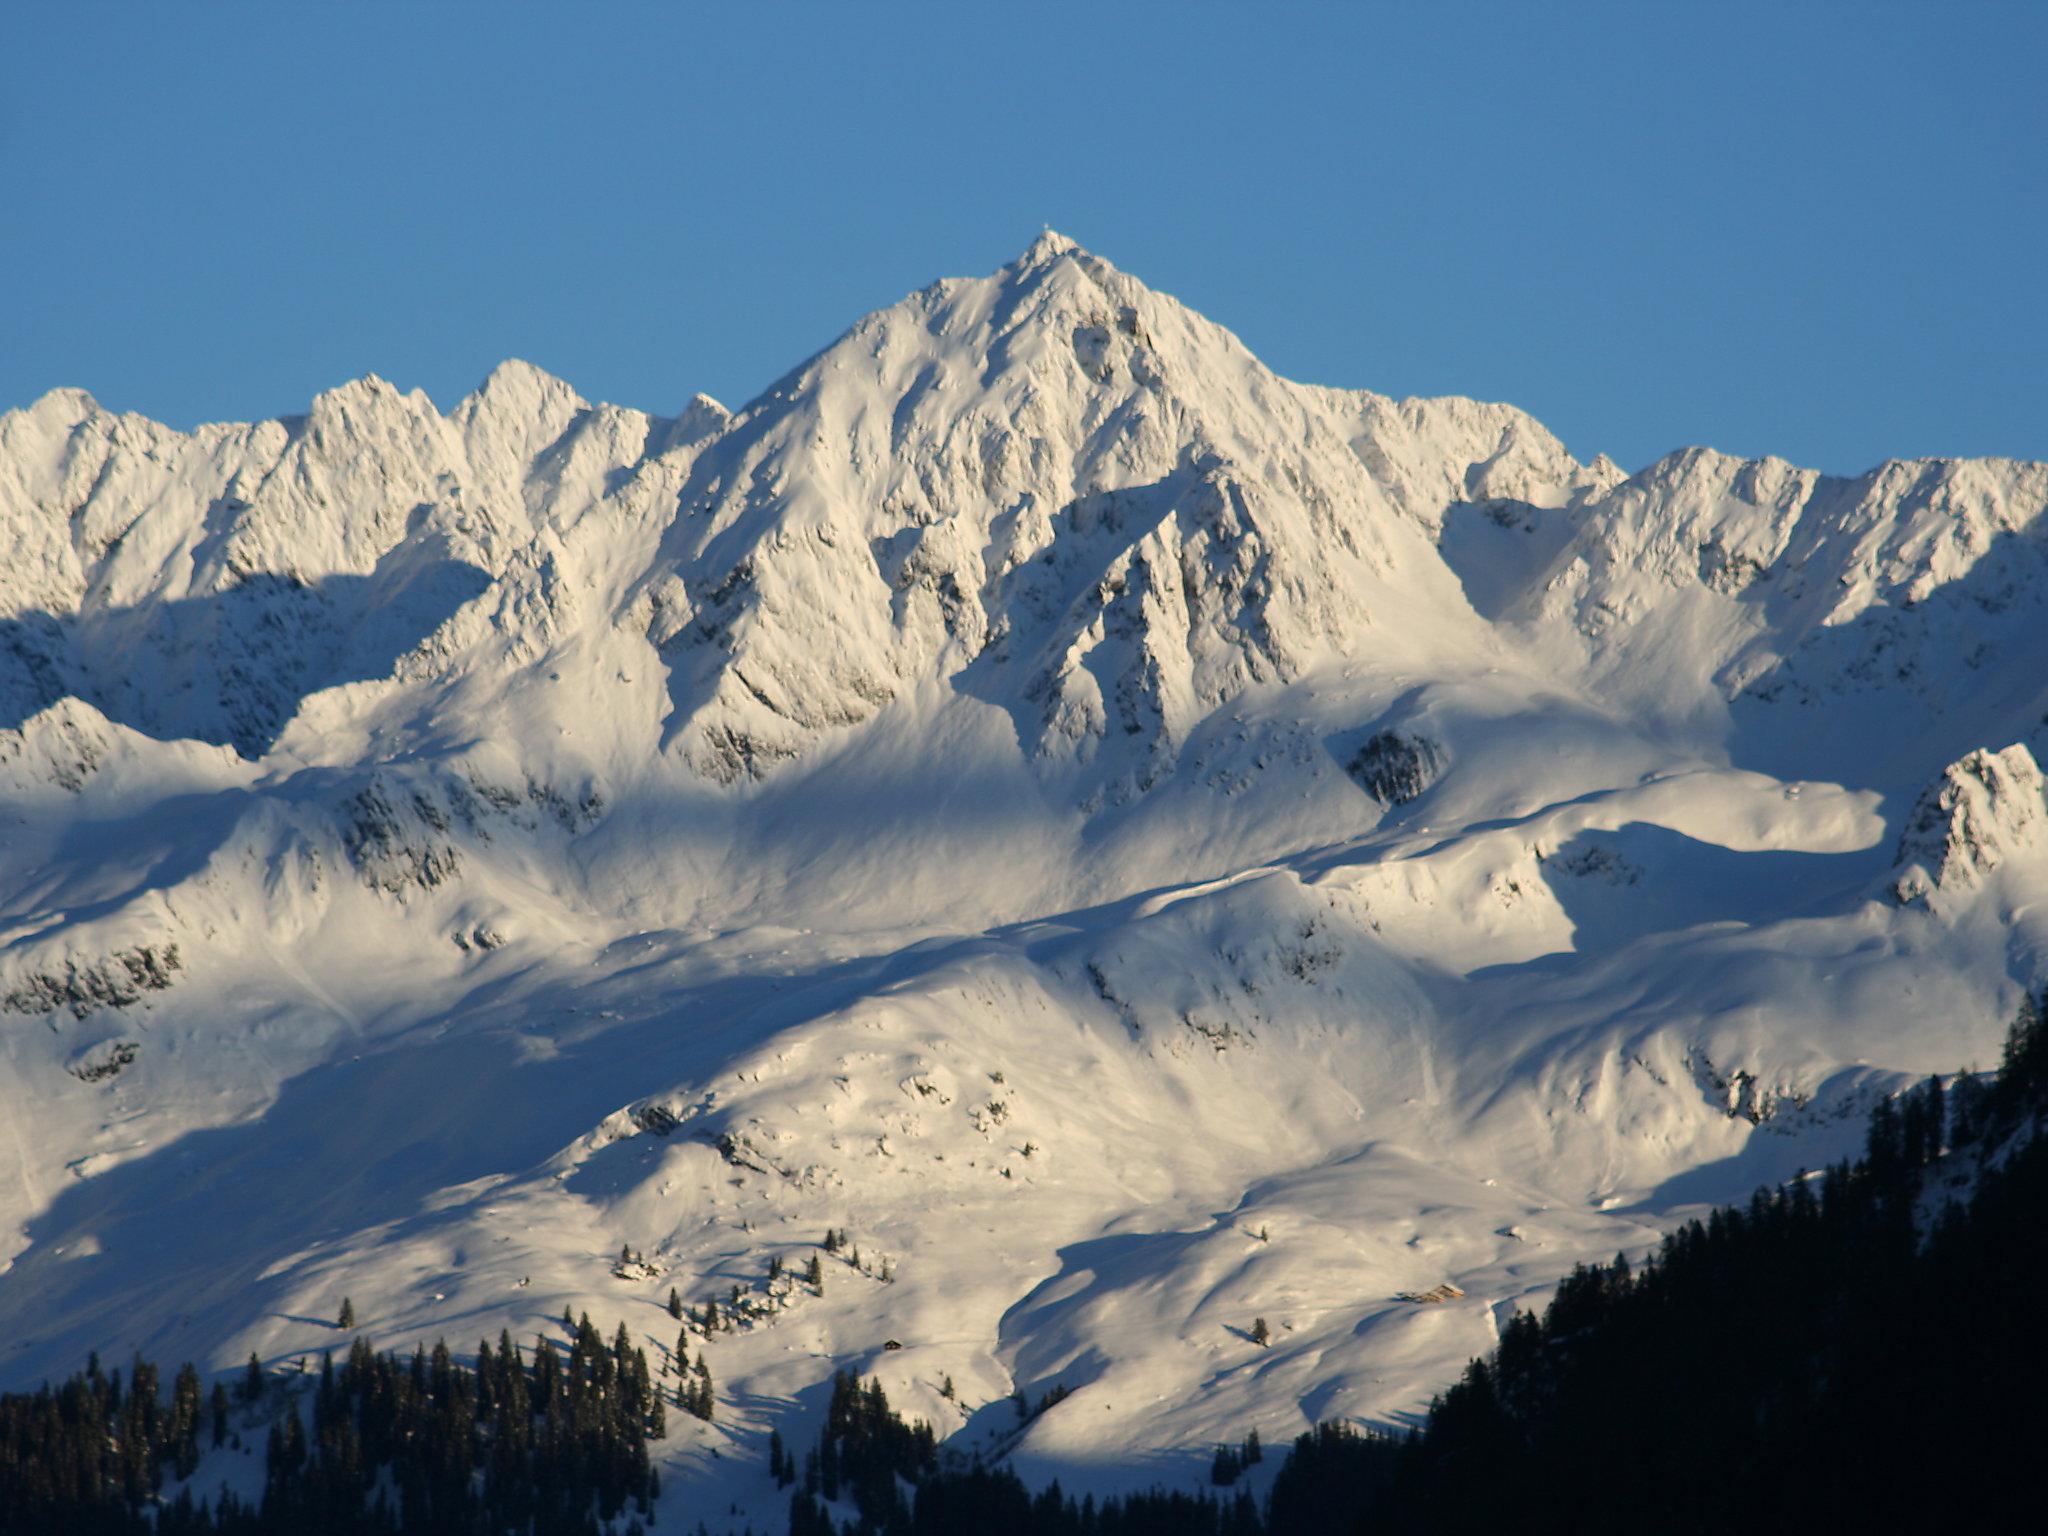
{"points": [[1142, 845]]}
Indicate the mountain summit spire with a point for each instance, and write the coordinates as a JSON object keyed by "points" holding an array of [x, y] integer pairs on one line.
{"points": [[1049, 245]]}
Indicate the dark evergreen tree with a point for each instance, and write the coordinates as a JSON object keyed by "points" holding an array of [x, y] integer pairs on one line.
{"points": [[703, 1400]]}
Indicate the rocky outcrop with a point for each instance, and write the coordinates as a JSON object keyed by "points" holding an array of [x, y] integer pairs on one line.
{"points": [[105, 1061], [1395, 767], [122, 978], [398, 843], [1981, 810]]}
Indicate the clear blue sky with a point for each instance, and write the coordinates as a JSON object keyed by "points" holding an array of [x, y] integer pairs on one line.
{"points": [[1810, 229]]}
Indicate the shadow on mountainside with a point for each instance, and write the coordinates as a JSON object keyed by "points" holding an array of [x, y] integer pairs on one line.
{"points": [[1904, 690], [230, 668], [1640, 879], [1884, 700], [367, 1143]]}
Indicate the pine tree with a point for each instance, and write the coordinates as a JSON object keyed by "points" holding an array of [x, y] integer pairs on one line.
{"points": [[816, 1275], [252, 1379], [947, 1391], [220, 1412], [1261, 1335], [347, 1321], [700, 1399], [183, 1429], [774, 1268], [675, 1303]]}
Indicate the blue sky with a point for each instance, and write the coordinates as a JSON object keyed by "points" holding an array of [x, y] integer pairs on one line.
{"points": [[1808, 229]]}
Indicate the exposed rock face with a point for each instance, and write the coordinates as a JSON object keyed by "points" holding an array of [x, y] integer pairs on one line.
{"points": [[1395, 767], [114, 982], [1739, 1091], [398, 845], [1983, 809], [106, 1061]]}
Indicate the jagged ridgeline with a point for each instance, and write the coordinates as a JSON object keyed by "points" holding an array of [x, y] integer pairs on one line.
{"points": [[1757, 1372]]}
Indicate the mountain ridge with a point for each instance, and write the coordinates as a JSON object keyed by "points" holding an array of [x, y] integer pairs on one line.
{"points": [[1033, 788]]}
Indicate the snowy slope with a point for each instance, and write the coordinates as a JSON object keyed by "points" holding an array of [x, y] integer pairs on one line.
{"points": [[1140, 843]]}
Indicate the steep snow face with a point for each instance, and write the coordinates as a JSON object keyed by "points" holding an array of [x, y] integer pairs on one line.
{"points": [[1073, 497], [1139, 843]]}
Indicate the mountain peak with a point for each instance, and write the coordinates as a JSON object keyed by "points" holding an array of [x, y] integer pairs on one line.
{"points": [[1048, 247], [517, 375], [516, 390], [59, 407]]}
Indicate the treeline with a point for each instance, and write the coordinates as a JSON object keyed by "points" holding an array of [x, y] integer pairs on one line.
{"points": [[866, 1453], [890, 1472], [1857, 1349], [554, 1444]]}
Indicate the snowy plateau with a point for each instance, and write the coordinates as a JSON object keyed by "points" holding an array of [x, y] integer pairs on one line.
{"points": [[1140, 844]]}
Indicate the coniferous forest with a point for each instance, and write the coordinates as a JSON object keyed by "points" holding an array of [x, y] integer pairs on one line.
{"points": [[554, 1443], [1858, 1348]]}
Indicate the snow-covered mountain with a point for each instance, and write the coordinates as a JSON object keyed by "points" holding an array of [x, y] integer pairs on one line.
{"points": [[1139, 843]]}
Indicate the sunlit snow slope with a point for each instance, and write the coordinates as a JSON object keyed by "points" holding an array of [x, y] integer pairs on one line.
{"points": [[1140, 844]]}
